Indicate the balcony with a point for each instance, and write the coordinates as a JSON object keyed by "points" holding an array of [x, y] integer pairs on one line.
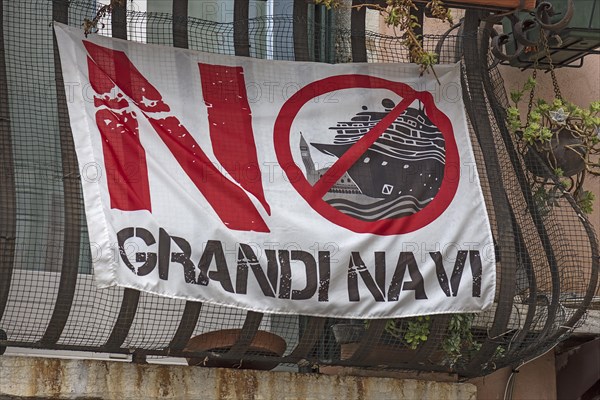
{"points": [[548, 257]]}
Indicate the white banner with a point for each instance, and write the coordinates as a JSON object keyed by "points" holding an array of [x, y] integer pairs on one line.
{"points": [[281, 187]]}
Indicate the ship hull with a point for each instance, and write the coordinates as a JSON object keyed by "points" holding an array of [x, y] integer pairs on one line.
{"points": [[380, 176], [400, 173]]}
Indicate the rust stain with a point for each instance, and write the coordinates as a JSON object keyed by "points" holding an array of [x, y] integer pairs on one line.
{"points": [[49, 375], [34, 379], [244, 385], [139, 377], [360, 389], [222, 384], [114, 377], [163, 377], [237, 385], [298, 383]]}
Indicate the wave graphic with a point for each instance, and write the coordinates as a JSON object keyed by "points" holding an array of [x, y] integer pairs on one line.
{"points": [[388, 208], [429, 152]]}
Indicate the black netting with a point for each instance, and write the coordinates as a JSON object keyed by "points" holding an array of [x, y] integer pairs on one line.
{"points": [[548, 254]]}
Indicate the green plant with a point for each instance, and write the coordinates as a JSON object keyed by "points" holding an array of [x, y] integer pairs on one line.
{"points": [[546, 119], [414, 331], [399, 14], [585, 200], [545, 199], [499, 352], [459, 338], [411, 331], [417, 331], [565, 135], [458, 341], [94, 25]]}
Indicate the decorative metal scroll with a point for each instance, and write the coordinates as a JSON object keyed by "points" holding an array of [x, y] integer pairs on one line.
{"points": [[540, 20]]}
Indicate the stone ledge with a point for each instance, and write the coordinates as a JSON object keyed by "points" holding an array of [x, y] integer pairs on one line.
{"points": [[22, 377], [591, 324]]}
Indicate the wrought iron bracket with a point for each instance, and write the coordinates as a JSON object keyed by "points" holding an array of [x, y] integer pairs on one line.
{"points": [[540, 18]]}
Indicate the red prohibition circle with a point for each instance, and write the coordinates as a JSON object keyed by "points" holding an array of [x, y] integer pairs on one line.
{"points": [[386, 226]]}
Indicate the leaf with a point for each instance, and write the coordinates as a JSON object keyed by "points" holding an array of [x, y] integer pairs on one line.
{"points": [[530, 84], [516, 96]]}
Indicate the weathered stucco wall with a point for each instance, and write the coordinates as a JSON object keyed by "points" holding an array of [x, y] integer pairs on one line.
{"points": [[71, 379], [535, 380]]}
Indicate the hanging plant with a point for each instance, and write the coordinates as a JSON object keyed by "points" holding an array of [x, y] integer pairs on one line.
{"points": [[564, 136], [568, 135]]}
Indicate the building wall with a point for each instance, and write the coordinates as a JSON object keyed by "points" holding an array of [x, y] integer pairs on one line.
{"points": [[535, 380]]}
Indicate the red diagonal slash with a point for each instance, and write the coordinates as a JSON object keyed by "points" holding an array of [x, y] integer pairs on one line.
{"points": [[348, 159]]}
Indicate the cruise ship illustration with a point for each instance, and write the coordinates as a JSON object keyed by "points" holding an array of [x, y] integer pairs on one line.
{"points": [[397, 176]]}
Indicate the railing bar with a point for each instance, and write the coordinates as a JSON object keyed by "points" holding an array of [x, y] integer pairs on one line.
{"points": [[131, 297], [311, 334], [251, 324], [72, 198], [369, 340], [479, 117], [180, 24], [300, 11], [500, 117], [357, 29], [187, 324], [8, 227], [124, 321], [523, 254], [119, 20], [241, 41]]}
